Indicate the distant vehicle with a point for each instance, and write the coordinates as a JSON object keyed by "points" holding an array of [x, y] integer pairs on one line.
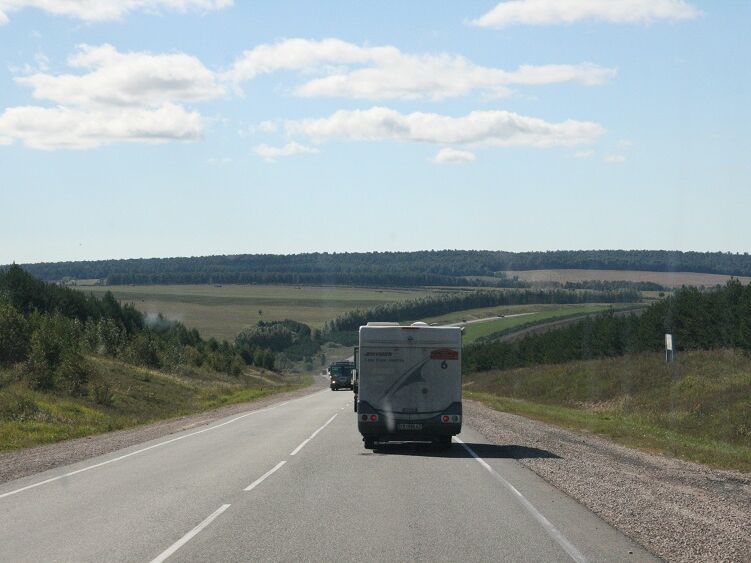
{"points": [[341, 375], [409, 383]]}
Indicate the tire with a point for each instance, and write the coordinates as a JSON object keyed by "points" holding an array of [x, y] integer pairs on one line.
{"points": [[369, 443]]}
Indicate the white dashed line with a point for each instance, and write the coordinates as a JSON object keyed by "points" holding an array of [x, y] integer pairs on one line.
{"points": [[260, 480], [313, 435], [190, 535]]}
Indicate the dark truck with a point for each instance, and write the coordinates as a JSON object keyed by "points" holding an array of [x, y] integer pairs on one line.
{"points": [[341, 375]]}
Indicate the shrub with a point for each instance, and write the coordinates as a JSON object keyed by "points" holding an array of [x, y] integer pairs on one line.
{"points": [[102, 394], [54, 356], [14, 335]]}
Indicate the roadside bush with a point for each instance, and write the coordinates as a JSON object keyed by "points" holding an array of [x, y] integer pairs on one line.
{"points": [[101, 394], [143, 350], [54, 356], [14, 335]]}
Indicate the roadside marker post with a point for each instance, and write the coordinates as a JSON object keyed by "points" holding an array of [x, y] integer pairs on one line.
{"points": [[669, 349]]}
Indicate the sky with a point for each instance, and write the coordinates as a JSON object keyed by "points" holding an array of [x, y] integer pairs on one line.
{"points": [[153, 128]]}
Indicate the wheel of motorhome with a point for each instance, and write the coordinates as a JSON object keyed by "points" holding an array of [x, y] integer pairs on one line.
{"points": [[409, 383]]}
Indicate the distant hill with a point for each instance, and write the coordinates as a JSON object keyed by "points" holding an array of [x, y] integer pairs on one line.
{"points": [[435, 267]]}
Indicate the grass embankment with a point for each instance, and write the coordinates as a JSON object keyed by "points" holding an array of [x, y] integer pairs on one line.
{"points": [[222, 311], [121, 396], [698, 408]]}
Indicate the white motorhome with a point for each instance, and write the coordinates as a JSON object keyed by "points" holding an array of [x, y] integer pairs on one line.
{"points": [[409, 383]]}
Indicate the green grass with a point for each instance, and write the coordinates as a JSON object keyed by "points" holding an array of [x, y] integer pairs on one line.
{"points": [[139, 395], [698, 408], [222, 311]]}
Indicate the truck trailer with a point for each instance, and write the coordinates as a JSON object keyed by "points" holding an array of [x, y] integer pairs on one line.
{"points": [[409, 383]]}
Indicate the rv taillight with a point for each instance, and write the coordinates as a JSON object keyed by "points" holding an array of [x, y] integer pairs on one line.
{"points": [[373, 418], [445, 418]]}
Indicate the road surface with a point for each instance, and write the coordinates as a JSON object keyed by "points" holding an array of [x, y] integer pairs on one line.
{"points": [[293, 482]]}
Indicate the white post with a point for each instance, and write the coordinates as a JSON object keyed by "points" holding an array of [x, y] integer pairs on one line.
{"points": [[669, 350]]}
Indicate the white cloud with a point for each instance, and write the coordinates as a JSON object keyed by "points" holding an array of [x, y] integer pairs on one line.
{"points": [[453, 155], [614, 159], [549, 12], [125, 79], [499, 128], [53, 128], [268, 126], [270, 153], [584, 154], [108, 10], [387, 73]]}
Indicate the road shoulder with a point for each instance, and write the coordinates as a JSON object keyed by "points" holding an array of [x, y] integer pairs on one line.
{"points": [[21, 463], [675, 509]]}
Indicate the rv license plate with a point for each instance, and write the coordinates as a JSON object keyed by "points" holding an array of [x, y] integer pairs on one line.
{"points": [[409, 426]]}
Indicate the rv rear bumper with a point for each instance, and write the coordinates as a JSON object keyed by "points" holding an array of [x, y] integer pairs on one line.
{"points": [[396, 426]]}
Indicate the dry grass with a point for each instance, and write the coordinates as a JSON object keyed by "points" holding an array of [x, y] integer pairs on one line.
{"points": [[698, 408], [222, 311]]}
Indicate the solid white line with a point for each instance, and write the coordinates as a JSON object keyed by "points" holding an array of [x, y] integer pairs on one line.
{"points": [[313, 435], [258, 481], [190, 535], [119, 458], [567, 546]]}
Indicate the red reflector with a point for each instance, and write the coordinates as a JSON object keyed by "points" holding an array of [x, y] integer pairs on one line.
{"points": [[445, 418], [373, 418]]}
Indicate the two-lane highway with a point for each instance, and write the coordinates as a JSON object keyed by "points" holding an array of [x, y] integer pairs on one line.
{"points": [[293, 482]]}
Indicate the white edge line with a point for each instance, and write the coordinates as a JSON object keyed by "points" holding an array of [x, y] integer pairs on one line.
{"points": [[190, 535], [313, 435], [258, 481], [567, 546], [119, 458]]}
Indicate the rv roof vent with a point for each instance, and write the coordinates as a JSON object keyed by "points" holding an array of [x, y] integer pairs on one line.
{"points": [[419, 323]]}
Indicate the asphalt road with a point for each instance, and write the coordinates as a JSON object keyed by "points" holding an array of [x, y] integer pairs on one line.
{"points": [[292, 482]]}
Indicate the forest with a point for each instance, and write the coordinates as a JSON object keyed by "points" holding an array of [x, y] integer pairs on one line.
{"points": [[435, 267], [703, 320], [46, 332]]}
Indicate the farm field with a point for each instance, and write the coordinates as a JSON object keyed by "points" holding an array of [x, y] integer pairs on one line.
{"points": [[668, 279], [531, 314], [222, 311]]}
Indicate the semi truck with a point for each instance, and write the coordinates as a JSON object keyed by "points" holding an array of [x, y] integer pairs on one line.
{"points": [[409, 383]]}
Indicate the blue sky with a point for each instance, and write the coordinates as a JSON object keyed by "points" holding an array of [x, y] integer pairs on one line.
{"points": [[193, 127]]}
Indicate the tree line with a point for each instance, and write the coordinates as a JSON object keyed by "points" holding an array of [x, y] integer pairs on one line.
{"points": [[402, 268], [716, 318], [372, 279], [432, 306], [46, 332]]}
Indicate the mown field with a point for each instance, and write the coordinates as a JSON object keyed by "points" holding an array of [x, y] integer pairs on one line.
{"points": [[667, 279], [121, 395], [222, 311], [698, 408]]}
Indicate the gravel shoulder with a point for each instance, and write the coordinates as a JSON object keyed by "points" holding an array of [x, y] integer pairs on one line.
{"points": [[17, 464], [678, 510]]}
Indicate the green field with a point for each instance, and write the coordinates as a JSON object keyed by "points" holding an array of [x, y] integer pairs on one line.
{"points": [[531, 314], [697, 408], [137, 396], [222, 311]]}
